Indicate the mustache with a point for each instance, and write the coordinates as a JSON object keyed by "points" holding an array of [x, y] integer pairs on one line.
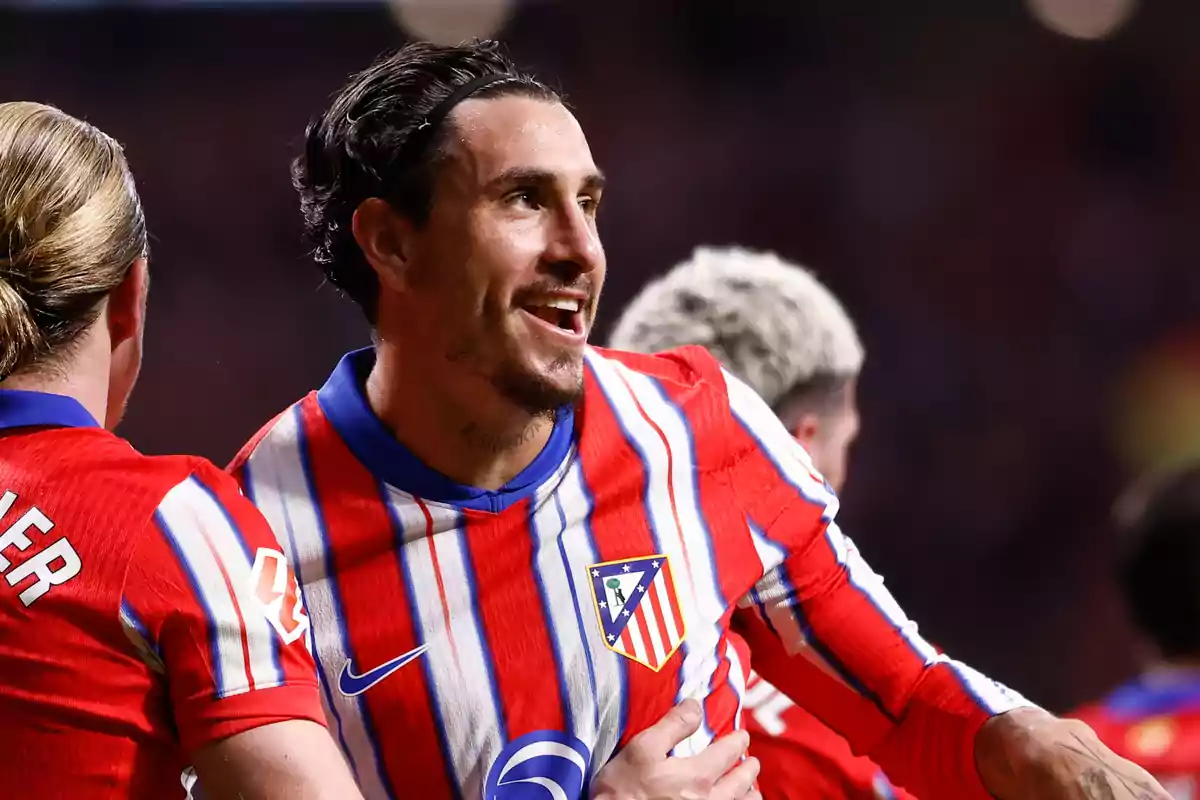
{"points": [[544, 287]]}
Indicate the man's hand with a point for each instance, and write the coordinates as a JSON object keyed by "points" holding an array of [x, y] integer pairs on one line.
{"points": [[1028, 754], [644, 771]]}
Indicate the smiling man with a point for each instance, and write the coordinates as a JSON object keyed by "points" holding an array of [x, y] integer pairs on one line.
{"points": [[460, 498]]}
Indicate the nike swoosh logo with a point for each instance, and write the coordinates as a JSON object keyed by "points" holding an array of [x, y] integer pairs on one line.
{"points": [[352, 685]]}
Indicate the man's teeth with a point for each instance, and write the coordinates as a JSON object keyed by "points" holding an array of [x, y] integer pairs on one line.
{"points": [[562, 304]]}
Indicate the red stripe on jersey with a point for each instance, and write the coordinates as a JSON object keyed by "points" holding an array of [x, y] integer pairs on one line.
{"points": [[627, 640], [156, 551], [659, 617], [831, 615], [437, 572], [604, 453], [733, 551], [237, 608], [810, 687], [501, 551], [687, 558], [354, 514]]}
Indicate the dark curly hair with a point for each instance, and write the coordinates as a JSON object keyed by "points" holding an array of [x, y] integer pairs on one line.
{"points": [[377, 139], [1159, 565]]}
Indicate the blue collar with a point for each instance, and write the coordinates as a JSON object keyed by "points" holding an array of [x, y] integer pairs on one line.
{"points": [[1147, 696], [21, 409], [346, 407]]}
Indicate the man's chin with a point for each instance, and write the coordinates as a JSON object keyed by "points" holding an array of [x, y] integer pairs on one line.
{"points": [[545, 388]]}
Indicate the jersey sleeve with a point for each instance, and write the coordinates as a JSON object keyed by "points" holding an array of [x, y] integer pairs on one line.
{"points": [[211, 602], [842, 646]]}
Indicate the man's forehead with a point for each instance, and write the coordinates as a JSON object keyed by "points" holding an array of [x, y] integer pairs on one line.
{"points": [[502, 134]]}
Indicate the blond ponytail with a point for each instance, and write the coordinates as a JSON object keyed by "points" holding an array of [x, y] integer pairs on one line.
{"points": [[19, 334], [71, 223]]}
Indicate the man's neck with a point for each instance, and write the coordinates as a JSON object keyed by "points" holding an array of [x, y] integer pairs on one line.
{"points": [[481, 444], [84, 378]]}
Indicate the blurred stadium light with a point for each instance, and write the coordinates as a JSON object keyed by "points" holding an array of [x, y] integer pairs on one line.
{"points": [[441, 21], [451, 21], [64, 5], [1083, 19], [1158, 406]]}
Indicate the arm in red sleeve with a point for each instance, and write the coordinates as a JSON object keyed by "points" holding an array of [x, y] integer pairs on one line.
{"points": [[211, 602], [848, 653]]}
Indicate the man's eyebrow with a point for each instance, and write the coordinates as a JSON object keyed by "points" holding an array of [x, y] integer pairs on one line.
{"points": [[540, 177]]}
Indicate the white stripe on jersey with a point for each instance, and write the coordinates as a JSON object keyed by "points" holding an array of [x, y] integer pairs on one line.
{"points": [[995, 697], [654, 627], [277, 474], [790, 457], [226, 541], [870, 583], [638, 639], [199, 534], [457, 665], [577, 673], [610, 692], [697, 537], [691, 570]]}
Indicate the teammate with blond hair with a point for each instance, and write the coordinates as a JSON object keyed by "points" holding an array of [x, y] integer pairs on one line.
{"points": [[148, 620], [773, 324], [770, 323]]}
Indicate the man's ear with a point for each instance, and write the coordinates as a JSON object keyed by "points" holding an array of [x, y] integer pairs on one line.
{"points": [[126, 310], [385, 238], [805, 428]]}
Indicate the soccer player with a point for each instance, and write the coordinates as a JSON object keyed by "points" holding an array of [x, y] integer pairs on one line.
{"points": [[463, 499], [148, 621], [776, 327], [1155, 718]]}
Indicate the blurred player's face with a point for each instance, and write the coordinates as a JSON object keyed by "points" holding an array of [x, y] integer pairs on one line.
{"points": [[125, 314], [503, 280], [829, 435]]}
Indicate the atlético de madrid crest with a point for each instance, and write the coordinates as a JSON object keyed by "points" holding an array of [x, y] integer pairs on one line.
{"points": [[638, 609]]}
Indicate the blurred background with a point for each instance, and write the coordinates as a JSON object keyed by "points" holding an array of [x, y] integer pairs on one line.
{"points": [[1005, 193]]}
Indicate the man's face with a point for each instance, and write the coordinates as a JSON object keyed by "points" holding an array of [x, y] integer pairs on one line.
{"points": [[829, 435], [504, 279]]}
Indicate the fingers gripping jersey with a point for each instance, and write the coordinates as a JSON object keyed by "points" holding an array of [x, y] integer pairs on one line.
{"points": [[131, 629], [473, 641]]}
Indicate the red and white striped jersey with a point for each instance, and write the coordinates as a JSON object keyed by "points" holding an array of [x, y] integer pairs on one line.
{"points": [[475, 643], [139, 612]]}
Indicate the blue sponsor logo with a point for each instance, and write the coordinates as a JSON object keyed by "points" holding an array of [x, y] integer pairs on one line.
{"points": [[543, 765]]}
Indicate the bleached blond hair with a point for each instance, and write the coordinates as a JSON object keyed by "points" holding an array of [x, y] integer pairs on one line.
{"points": [[769, 322]]}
